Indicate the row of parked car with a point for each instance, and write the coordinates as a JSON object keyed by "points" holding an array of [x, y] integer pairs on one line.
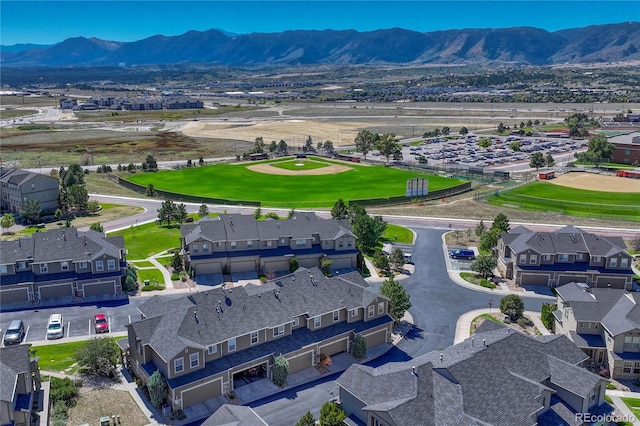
{"points": [[17, 330]]}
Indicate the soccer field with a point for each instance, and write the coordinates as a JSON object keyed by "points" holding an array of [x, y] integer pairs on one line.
{"points": [[237, 182]]}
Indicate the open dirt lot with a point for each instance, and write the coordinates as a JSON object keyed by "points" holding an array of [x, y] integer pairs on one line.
{"points": [[595, 182], [270, 170]]}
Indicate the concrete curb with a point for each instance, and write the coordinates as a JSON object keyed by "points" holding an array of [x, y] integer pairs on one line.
{"points": [[463, 325]]}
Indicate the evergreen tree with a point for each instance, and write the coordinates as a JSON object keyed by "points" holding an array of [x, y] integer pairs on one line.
{"points": [[500, 224], [280, 370], [331, 414], [203, 210], [359, 347], [176, 262], [481, 228], [157, 389], [399, 298], [339, 210]]}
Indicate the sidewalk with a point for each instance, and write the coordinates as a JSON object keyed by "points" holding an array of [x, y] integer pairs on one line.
{"points": [[627, 414], [463, 326]]}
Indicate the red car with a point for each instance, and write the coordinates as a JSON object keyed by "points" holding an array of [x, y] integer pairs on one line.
{"points": [[100, 323]]}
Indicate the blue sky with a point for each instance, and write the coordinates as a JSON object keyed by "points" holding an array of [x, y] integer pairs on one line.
{"points": [[47, 22]]}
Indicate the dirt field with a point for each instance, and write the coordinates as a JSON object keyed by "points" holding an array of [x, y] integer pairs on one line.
{"points": [[595, 182], [270, 170]]}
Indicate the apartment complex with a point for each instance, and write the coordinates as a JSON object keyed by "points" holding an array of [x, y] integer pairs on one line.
{"points": [[18, 186], [19, 384]]}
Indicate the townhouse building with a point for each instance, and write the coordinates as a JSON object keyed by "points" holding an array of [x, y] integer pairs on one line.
{"points": [[604, 323], [240, 243], [63, 264], [18, 186], [498, 376], [209, 343], [563, 256], [19, 385]]}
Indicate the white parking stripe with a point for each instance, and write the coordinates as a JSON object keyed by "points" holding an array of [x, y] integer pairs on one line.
{"points": [[68, 328], [26, 333], [89, 326], [109, 319]]}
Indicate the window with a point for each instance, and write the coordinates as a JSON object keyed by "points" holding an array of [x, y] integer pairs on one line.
{"points": [[613, 262], [380, 308], [82, 265], [546, 257], [278, 331], [588, 325], [231, 344], [317, 321], [233, 244], [631, 342], [178, 365], [636, 367], [3, 269], [523, 258], [296, 321], [111, 264], [194, 248], [205, 247], [563, 258], [336, 316], [212, 349], [579, 256], [281, 240], [626, 367], [194, 360], [595, 259], [64, 265], [254, 337], [349, 243], [22, 265], [301, 243], [44, 268], [354, 312], [269, 243], [340, 244], [624, 262], [533, 259], [371, 310], [249, 244], [99, 265]]}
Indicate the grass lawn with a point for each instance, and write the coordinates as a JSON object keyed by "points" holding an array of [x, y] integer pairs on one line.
{"points": [[306, 164], [634, 405], [153, 275], [142, 264], [236, 182], [165, 261], [483, 316], [144, 240], [59, 357], [95, 403], [398, 234], [545, 196], [473, 278]]}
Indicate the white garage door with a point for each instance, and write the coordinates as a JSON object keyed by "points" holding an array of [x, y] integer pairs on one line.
{"points": [[209, 268], [247, 266], [277, 266], [341, 263], [55, 291]]}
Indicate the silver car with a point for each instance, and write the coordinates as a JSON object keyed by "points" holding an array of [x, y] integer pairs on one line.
{"points": [[55, 327], [15, 333]]}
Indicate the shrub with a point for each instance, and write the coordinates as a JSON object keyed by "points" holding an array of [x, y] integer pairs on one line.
{"points": [[272, 215], [359, 347], [512, 305], [63, 390], [98, 356], [546, 315], [59, 414], [331, 414], [184, 276], [293, 264], [157, 389], [130, 284], [486, 283], [280, 370], [524, 322], [380, 260]]}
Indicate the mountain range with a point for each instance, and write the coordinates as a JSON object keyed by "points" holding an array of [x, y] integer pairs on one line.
{"points": [[518, 45]]}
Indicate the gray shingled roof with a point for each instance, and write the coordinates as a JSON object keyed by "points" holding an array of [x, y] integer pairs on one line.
{"points": [[493, 379], [234, 415], [194, 321], [13, 361]]}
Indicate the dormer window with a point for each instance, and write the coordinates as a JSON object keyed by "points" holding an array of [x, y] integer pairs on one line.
{"points": [[233, 244], [613, 262], [111, 264], [624, 262], [44, 268], [205, 247], [99, 265], [249, 244], [64, 265], [194, 248]]}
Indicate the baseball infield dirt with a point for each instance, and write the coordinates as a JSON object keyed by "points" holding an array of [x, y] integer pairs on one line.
{"points": [[596, 182], [270, 170]]}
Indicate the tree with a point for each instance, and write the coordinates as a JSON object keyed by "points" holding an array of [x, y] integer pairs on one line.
{"points": [[77, 197], [463, 131], [380, 260], [365, 141], [203, 210], [500, 224], [7, 221], [515, 146], [513, 306], [501, 128], [328, 146], [331, 414], [488, 241], [157, 389], [282, 146], [484, 143], [166, 212], [74, 175], [98, 356], [537, 160], [180, 213], [308, 144], [97, 227], [484, 265], [339, 210], [599, 149], [293, 264], [176, 262], [549, 160], [258, 145], [446, 130], [359, 347], [365, 231], [257, 213], [189, 162], [201, 161], [546, 315], [635, 243], [481, 228], [306, 420], [151, 163], [399, 298], [396, 259], [291, 213], [93, 207], [388, 145], [325, 264], [273, 146], [130, 284], [31, 210], [280, 370], [150, 191]]}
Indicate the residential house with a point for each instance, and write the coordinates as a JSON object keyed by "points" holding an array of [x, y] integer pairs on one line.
{"points": [[563, 256], [234, 415], [19, 385], [18, 186], [605, 324], [240, 243], [209, 343], [63, 264], [68, 103], [496, 377]]}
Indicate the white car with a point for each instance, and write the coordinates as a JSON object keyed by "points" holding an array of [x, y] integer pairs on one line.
{"points": [[55, 328]]}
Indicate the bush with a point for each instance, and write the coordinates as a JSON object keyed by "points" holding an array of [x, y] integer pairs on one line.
{"points": [[184, 276], [293, 264], [546, 315], [331, 414], [157, 389], [63, 390], [359, 347], [280, 370], [380, 260], [486, 283], [524, 322], [99, 356], [512, 305], [130, 284], [59, 414]]}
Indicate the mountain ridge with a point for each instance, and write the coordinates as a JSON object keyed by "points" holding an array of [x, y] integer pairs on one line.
{"points": [[515, 45]]}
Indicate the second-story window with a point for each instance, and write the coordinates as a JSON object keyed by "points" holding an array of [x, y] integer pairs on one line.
{"points": [[233, 244], [523, 258], [317, 321], [205, 247], [178, 365], [336, 316], [194, 248], [3, 269], [546, 257], [269, 243], [381, 308], [231, 344], [82, 265], [371, 310], [249, 244], [354, 312], [99, 265], [613, 262], [64, 265], [22, 265], [278, 331], [254, 337], [194, 360], [111, 264], [212, 349], [44, 268], [296, 321], [563, 257], [595, 259], [533, 259], [301, 243], [624, 262]]}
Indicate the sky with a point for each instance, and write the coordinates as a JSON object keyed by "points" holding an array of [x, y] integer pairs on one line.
{"points": [[49, 22]]}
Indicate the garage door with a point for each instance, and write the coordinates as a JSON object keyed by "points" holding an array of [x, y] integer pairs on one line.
{"points": [[608, 282], [99, 289], [277, 266], [334, 348], [309, 262], [55, 291], [565, 279], [341, 263], [15, 295], [209, 268], [247, 266], [202, 393], [300, 362], [377, 338], [530, 279]]}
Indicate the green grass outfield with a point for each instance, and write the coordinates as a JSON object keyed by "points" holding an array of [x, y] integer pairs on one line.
{"points": [[545, 196], [236, 182]]}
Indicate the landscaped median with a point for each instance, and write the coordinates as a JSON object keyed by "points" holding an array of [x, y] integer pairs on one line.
{"points": [[473, 278]]}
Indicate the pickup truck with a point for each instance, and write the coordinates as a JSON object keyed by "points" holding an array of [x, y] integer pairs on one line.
{"points": [[463, 254]]}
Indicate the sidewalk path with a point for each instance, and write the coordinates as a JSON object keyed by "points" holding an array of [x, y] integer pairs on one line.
{"points": [[627, 414], [463, 326]]}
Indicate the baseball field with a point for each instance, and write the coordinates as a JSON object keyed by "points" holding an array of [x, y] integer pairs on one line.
{"points": [[311, 182]]}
